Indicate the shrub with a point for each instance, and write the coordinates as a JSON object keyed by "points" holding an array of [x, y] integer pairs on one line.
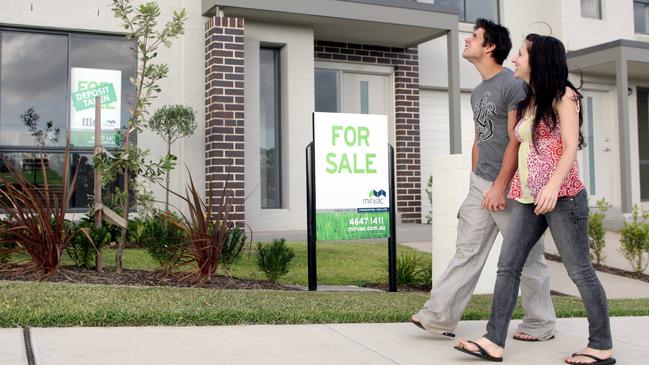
{"points": [[136, 231], [412, 270], [635, 240], [206, 229], [5, 246], [232, 247], [164, 240], [274, 258], [596, 231], [87, 243]]}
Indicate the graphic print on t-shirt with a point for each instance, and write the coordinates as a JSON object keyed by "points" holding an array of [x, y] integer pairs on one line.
{"points": [[483, 112]]}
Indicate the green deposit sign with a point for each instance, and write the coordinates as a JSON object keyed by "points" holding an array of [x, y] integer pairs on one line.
{"points": [[352, 176], [85, 99]]}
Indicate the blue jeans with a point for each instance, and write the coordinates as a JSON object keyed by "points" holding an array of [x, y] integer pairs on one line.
{"points": [[568, 222]]}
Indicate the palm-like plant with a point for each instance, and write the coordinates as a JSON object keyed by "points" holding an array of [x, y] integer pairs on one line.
{"points": [[205, 231], [35, 217]]}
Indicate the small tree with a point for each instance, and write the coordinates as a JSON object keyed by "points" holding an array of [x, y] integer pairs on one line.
{"points": [[635, 240], [141, 24], [596, 231], [31, 119], [172, 122]]}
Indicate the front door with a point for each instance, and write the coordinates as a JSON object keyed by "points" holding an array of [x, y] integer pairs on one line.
{"points": [[595, 157]]}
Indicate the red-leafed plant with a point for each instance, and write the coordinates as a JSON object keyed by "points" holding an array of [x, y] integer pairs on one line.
{"points": [[35, 218], [206, 231]]}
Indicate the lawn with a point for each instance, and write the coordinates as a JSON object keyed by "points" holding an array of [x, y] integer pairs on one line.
{"points": [[338, 263], [56, 304]]}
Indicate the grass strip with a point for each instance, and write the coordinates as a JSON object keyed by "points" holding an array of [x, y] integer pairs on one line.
{"points": [[64, 305]]}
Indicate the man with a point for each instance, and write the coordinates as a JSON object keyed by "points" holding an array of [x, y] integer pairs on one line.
{"points": [[486, 211]]}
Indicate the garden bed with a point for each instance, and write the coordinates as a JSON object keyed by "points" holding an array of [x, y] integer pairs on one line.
{"points": [[71, 274]]}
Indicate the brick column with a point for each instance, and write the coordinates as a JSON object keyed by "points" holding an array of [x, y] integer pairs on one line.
{"points": [[224, 116], [407, 152]]}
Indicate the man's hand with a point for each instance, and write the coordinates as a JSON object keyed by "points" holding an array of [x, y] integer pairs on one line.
{"points": [[493, 199]]}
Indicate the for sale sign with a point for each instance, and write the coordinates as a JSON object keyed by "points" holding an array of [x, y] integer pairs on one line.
{"points": [[352, 176], [86, 85]]}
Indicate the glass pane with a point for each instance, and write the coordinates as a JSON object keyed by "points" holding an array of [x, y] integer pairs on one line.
{"points": [[591, 145], [326, 91], [270, 147], [641, 17], [591, 9], [643, 137], [365, 98], [100, 67], [475, 9], [33, 89]]}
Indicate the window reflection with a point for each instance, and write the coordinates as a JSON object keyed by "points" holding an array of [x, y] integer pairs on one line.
{"points": [[34, 75]]}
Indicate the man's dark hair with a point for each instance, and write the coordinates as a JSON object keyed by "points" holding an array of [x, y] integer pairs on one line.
{"points": [[497, 35]]}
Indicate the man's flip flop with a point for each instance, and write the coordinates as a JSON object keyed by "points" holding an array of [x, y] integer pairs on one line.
{"points": [[598, 361], [533, 339], [481, 353], [418, 324]]}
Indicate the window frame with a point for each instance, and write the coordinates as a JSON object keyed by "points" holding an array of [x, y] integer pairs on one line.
{"points": [[462, 15], [645, 2], [278, 88], [600, 11], [6, 149]]}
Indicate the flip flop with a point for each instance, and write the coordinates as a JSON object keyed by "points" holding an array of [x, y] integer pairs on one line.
{"points": [[534, 339], [481, 353], [598, 361], [418, 324]]}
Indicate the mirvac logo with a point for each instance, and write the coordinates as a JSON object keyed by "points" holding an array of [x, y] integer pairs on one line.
{"points": [[375, 197]]}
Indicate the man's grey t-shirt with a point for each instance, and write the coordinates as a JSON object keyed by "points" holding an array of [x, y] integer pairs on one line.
{"points": [[491, 100]]}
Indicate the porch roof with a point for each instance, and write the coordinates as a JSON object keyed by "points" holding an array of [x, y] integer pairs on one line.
{"points": [[600, 60], [392, 23]]}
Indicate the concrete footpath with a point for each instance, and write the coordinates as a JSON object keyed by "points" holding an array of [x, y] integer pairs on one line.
{"points": [[390, 343]]}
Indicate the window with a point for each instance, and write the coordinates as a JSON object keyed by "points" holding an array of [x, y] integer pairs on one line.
{"points": [[48, 80], [470, 10], [591, 9], [270, 148], [327, 95], [641, 16]]}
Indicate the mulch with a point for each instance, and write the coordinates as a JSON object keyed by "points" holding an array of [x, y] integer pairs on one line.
{"points": [[607, 269], [71, 274]]}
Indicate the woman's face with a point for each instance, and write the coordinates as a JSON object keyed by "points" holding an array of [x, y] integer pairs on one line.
{"points": [[522, 63]]}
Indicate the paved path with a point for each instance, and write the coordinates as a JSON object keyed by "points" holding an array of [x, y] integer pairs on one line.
{"points": [[338, 344]]}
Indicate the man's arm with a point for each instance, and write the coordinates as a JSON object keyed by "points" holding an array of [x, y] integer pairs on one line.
{"points": [[494, 198], [474, 152]]}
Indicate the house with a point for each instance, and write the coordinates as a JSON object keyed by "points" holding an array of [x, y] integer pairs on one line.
{"points": [[255, 70]]}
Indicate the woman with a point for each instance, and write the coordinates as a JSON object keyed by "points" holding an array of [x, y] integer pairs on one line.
{"points": [[548, 193]]}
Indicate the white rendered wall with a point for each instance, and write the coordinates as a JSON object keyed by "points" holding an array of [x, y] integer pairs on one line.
{"points": [[297, 80], [450, 188]]}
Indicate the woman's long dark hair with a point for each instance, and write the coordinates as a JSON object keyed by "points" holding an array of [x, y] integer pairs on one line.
{"points": [[548, 82]]}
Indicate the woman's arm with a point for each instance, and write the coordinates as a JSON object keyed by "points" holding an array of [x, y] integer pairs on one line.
{"points": [[568, 112]]}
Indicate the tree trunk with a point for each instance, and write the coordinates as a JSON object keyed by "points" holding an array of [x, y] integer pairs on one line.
{"points": [[98, 265], [167, 179]]}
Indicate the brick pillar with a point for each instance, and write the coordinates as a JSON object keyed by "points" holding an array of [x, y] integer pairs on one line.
{"points": [[224, 116], [407, 159]]}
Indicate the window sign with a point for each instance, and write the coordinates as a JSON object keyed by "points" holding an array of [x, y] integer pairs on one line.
{"points": [[352, 176], [86, 84]]}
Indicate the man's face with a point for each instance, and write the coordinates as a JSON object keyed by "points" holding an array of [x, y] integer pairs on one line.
{"points": [[473, 48]]}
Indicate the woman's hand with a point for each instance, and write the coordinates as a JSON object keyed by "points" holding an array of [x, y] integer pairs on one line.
{"points": [[546, 199]]}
